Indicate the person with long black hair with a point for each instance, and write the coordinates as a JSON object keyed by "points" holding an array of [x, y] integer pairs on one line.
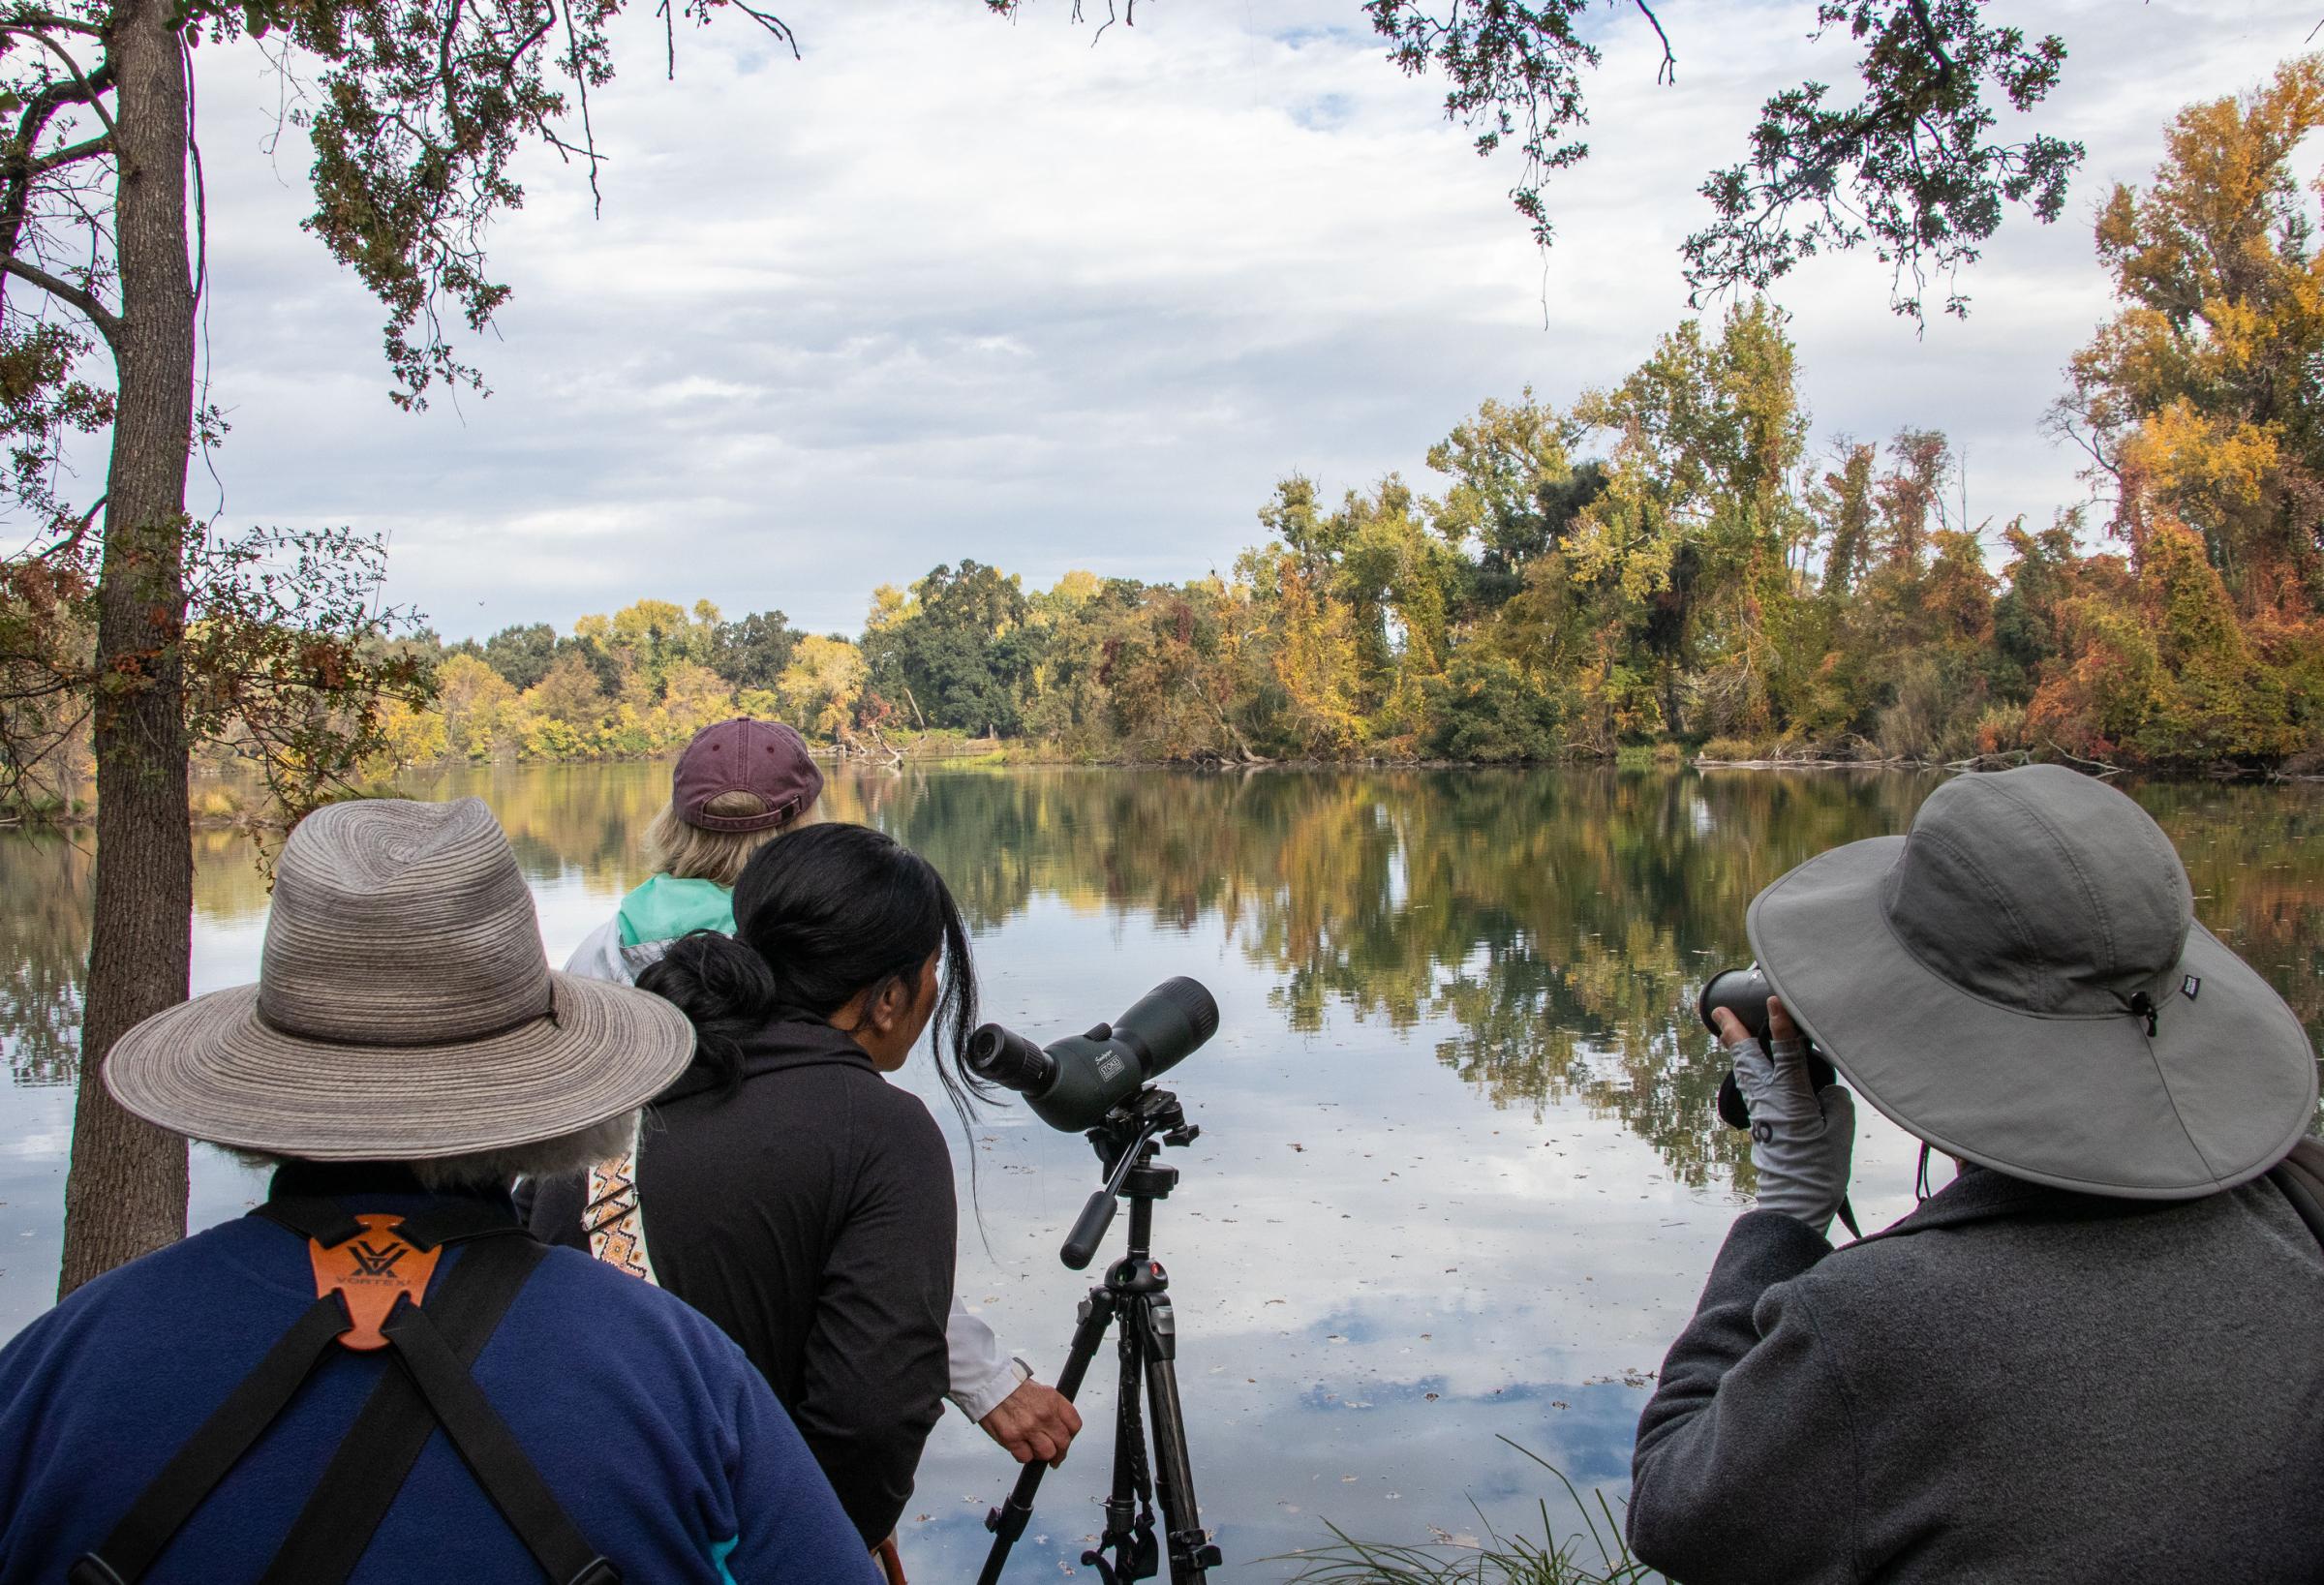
{"points": [[782, 1186]]}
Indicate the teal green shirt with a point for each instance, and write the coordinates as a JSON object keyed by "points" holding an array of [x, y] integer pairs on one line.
{"points": [[665, 908]]}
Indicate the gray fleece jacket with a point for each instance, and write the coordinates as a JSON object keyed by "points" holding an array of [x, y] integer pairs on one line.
{"points": [[2013, 1384]]}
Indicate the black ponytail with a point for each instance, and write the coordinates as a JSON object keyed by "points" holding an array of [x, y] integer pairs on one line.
{"points": [[821, 916], [726, 990]]}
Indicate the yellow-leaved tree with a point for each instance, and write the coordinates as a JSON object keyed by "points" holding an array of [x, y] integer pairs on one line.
{"points": [[821, 686], [2200, 405]]}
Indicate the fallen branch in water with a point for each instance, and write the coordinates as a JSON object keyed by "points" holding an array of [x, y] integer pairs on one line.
{"points": [[2103, 769]]}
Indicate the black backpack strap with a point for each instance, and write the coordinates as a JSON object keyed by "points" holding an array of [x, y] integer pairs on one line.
{"points": [[435, 1350], [460, 1222], [194, 1472], [2300, 1178], [361, 1481], [489, 1449], [326, 1220]]}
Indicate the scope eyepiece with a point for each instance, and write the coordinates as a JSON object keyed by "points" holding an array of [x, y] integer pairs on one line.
{"points": [[1010, 1060]]}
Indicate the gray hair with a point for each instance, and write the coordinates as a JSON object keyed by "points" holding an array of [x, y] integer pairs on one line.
{"points": [[544, 1158], [499, 1169]]}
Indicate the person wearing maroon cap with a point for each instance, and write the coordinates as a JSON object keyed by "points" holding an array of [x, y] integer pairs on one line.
{"points": [[737, 786]]}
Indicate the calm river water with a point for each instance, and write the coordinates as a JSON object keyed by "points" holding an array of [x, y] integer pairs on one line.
{"points": [[1459, 1175]]}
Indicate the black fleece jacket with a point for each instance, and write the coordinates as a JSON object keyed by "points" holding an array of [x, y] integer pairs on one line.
{"points": [[809, 1213]]}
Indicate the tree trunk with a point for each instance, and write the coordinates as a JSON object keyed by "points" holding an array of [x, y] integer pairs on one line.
{"points": [[125, 1194]]}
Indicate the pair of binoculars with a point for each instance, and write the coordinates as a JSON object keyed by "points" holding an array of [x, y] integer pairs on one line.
{"points": [[1744, 992]]}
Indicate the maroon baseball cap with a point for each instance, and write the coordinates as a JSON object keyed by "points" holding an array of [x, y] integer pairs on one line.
{"points": [[742, 755]]}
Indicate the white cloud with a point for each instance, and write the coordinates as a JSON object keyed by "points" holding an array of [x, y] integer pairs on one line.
{"points": [[956, 287]]}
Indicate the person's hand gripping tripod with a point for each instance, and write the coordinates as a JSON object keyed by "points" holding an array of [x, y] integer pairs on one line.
{"points": [[1136, 1291]]}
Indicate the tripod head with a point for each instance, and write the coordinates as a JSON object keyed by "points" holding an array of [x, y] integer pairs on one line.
{"points": [[1127, 1141]]}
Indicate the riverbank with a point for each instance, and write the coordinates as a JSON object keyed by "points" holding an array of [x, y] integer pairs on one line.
{"points": [[223, 798], [1718, 753]]}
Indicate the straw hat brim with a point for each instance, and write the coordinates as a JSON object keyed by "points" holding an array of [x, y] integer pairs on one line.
{"points": [[211, 1068], [2221, 1091]]}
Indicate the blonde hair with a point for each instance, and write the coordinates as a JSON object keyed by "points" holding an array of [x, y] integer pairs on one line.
{"points": [[687, 852]]}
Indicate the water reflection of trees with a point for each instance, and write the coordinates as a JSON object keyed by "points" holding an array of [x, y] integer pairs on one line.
{"points": [[1549, 931], [1543, 934], [43, 944]]}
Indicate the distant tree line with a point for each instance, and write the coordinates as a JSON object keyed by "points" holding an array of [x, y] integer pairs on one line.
{"points": [[1664, 561]]}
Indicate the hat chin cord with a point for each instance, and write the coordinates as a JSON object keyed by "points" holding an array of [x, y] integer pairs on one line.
{"points": [[1921, 1179]]}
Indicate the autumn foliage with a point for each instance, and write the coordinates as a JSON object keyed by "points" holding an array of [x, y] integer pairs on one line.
{"points": [[1661, 561], [1664, 561]]}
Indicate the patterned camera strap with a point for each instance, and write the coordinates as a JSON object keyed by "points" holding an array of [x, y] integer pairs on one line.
{"points": [[609, 1215]]}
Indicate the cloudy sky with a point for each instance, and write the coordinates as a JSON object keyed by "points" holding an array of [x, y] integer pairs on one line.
{"points": [[959, 286]]}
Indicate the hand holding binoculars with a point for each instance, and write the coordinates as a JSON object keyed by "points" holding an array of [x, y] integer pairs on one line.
{"points": [[1744, 992]]}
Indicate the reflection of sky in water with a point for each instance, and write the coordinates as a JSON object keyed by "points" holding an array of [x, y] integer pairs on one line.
{"points": [[1378, 1272]]}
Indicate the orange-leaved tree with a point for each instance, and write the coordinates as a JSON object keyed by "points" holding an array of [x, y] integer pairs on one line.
{"points": [[2201, 406]]}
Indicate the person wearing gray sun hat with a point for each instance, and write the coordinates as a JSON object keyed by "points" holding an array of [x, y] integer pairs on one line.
{"points": [[378, 1374], [2095, 1354]]}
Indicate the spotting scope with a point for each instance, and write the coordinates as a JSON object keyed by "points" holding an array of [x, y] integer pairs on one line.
{"points": [[1072, 1084]]}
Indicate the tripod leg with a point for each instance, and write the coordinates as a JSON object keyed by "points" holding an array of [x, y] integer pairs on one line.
{"points": [[1007, 1522], [1129, 1533], [1150, 1319]]}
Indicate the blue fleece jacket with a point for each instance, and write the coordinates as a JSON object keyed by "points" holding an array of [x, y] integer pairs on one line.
{"points": [[666, 1447]]}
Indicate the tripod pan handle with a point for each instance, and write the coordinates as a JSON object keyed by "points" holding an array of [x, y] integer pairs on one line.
{"points": [[1089, 1231]]}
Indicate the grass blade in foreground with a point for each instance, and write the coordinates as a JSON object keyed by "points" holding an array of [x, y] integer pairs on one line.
{"points": [[1499, 1559]]}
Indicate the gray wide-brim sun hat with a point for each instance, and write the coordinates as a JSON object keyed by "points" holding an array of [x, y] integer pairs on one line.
{"points": [[405, 1009], [2021, 981]]}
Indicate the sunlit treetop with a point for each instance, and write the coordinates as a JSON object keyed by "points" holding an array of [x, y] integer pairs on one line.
{"points": [[2206, 389]]}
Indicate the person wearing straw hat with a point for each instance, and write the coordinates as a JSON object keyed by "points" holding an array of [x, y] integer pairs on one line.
{"points": [[377, 1374], [2097, 1355]]}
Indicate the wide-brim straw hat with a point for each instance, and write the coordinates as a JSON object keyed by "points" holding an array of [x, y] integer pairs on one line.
{"points": [[2021, 983], [405, 1009]]}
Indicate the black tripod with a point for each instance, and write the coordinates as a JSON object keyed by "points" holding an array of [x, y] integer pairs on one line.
{"points": [[1136, 1289]]}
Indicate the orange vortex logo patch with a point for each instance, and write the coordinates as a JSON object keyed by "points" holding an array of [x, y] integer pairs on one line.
{"points": [[371, 1270]]}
